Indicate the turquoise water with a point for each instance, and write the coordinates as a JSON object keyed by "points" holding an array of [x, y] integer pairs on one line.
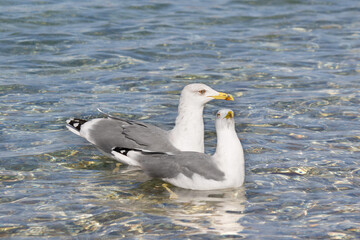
{"points": [[292, 66]]}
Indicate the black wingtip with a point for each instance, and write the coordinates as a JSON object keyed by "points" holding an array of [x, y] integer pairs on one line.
{"points": [[124, 151], [76, 123], [121, 150]]}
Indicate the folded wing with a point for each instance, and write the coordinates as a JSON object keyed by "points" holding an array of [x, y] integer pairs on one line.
{"points": [[106, 133], [163, 165]]}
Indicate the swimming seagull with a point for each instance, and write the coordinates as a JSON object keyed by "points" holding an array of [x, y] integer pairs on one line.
{"points": [[193, 170], [187, 135]]}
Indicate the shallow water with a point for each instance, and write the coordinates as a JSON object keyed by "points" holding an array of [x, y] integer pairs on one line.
{"points": [[292, 65]]}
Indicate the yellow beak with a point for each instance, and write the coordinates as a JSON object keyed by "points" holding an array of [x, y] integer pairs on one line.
{"points": [[223, 96], [229, 115]]}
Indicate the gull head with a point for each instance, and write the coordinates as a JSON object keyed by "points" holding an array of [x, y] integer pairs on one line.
{"points": [[225, 119], [198, 93]]}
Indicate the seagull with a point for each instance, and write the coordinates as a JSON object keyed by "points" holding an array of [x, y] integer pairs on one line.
{"points": [[194, 170], [187, 134]]}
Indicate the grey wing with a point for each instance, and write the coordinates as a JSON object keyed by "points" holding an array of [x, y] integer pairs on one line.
{"points": [[106, 133], [149, 137], [162, 165]]}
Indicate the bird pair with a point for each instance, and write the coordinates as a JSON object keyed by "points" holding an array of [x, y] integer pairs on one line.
{"points": [[175, 156]]}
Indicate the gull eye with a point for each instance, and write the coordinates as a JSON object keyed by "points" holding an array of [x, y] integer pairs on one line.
{"points": [[202, 92], [218, 115]]}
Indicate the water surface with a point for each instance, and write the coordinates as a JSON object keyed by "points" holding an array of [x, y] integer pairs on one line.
{"points": [[292, 65]]}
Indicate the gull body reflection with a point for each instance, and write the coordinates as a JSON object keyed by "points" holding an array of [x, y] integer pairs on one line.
{"points": [[209, 211]]}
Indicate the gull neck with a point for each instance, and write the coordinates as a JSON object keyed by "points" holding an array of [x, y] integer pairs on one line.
{"points": [[188, 132]]}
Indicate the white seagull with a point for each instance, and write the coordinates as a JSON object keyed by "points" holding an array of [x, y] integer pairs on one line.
{"points": [[194, 170], [187, 134]]}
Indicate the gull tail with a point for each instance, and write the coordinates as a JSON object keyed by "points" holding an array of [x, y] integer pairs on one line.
{"points": [[74, 125]]}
